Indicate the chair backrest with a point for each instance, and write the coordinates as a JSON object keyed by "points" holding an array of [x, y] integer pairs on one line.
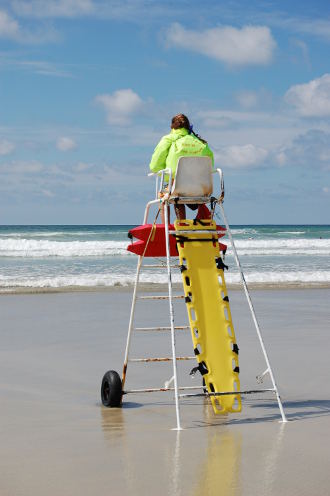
{"points": [[193, 177]]}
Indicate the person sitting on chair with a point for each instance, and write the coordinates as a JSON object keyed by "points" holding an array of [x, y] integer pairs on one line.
{"points": [[180, 142]]}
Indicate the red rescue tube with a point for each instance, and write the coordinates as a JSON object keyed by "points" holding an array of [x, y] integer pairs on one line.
{"points": [[153, 249], [142, 232], [156, 246]]}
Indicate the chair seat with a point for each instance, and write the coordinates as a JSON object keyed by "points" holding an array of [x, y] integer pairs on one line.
{"points": [[189, 199]]}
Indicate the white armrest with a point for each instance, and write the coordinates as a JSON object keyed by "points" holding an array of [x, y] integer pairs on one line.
{"points": [[160, 174], [222, 185]]}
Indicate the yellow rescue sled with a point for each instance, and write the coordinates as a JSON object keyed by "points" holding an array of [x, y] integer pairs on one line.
{"points": [[209, 314]]}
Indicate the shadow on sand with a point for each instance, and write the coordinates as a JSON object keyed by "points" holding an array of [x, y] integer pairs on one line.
{"points": [[294, 410], [301, 409]]}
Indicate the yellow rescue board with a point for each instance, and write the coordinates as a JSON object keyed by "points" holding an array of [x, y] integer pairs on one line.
{"points": [[208, 311]]}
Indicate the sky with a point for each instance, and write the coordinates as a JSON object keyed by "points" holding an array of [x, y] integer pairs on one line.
{"points": [[88, 88]]}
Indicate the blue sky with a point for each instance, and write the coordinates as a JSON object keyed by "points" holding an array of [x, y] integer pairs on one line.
{"points": [[88, 87]]}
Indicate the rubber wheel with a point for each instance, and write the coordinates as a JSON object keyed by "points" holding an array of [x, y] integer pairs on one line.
{"points": [[111, 390]]}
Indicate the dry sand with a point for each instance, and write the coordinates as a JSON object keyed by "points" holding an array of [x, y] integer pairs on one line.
{"points": [[57, 439]]}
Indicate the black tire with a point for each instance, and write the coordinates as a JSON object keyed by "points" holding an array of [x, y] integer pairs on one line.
{"points": [[111, 389]]}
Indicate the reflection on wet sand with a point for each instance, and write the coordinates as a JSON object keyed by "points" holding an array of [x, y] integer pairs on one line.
{"points": [[222, 472], [175, 487], [268, 479], [116, 435], [219, 470], [112, 421], [214, 459]]}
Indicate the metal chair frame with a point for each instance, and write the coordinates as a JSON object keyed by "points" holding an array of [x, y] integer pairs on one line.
{"points": [[166, 200]]}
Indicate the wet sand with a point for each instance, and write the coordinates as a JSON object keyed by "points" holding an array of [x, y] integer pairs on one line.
{"points": [[56, 438]]}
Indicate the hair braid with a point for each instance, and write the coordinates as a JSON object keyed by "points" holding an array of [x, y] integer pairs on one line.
{"points": [[198, 137]]}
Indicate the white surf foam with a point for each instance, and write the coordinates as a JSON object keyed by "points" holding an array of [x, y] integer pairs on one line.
{"points": [[270, 277], [282, 247], [290, 232], [21, 247], [43, 248], [113, 279], [285, 243]]}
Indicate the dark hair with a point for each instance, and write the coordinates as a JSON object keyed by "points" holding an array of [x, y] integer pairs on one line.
{"points": [[181, 120]]}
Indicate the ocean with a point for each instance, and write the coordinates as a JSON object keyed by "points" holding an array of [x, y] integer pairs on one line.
{"points": [[95, 257]]}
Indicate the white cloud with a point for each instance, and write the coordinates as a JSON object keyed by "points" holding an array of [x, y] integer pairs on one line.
{"points": [[241, 157], [82, 167], [9, 28], [281, 158], [247, 99], [128, 10], [52, 8], [222, 118], [246, 120], [21, 167], [120, 106], [311, 99], [314, 27], [65, 144], [261, 99], [311, 150], [41, 67], [250, 45], [303, 47], [47, 193], [6, 147]]}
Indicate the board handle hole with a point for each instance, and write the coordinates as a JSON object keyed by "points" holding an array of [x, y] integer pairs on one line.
{"points": [[193, 314], [198, 349]]}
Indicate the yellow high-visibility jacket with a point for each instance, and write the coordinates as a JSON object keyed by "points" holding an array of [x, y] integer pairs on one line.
{"points": [[178, 143]]}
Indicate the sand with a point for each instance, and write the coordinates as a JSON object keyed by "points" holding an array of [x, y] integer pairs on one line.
{"points": [[57, 439]]}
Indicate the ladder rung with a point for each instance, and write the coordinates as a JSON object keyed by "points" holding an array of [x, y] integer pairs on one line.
{"points": [[160, 297], [165, 328], [163, 389], [165, 359], [253, 391], [160, 266], [189, 231]]}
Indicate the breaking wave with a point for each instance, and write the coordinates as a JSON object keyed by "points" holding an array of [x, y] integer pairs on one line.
{"points": [[21, 247], [113, 280], [43, 248]]}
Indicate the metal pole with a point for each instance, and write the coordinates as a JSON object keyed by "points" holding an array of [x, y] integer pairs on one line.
{"points": [[134, 298], [146, 212], [284, 419], [169, 276], [131, 320]]}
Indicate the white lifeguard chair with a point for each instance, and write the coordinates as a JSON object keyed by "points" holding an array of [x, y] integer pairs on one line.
{"points": [[193, 184], [193, 181]]}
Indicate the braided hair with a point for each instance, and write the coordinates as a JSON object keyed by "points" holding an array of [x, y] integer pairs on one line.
{"points": [[181, 120]]}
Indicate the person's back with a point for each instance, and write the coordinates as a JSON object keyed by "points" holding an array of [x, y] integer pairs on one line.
{"points": [[182, 141]]}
